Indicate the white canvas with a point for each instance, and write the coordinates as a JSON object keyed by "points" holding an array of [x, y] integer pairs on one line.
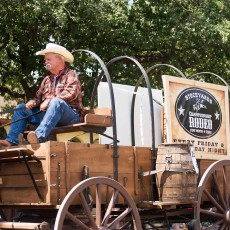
{"points": [[123, 98]]}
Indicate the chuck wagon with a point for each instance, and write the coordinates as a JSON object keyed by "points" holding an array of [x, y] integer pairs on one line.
{"points": [[185, 179]]}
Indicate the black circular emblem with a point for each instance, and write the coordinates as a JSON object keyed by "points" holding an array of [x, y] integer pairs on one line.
{"points": [[198, 112]]}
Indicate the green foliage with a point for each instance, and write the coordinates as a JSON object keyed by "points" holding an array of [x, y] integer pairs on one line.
{"points": [[190, 35]]}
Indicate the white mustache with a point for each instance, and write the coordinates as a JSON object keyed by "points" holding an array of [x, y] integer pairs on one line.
{"points": [[47, 66]]}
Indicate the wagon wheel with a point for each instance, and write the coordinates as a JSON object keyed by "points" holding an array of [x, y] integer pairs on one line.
{"points": [[213, 201], [97, 185]]}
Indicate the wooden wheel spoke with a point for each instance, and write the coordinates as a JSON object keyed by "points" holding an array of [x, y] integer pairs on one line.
{"points": [[125, 226], [87, 210], [119, 218], [218, 190], [212, 199], [98, 205], [75, 220], [211, 213], [225, 179], [110, 206]]}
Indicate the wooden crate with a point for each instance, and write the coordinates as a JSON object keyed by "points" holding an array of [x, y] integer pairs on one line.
{"points": [[61, 169]]}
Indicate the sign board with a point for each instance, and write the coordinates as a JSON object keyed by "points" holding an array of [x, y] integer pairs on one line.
{"points": [[123, 100], [197, 113]]}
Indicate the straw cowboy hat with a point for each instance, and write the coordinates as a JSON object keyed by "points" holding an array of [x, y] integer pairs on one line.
{"points": [[57, 49]]}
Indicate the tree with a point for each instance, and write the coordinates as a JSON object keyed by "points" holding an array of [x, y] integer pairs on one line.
{"points": [[191, 35]]}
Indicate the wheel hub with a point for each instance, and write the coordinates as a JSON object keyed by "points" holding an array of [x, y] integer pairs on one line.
{"points": [[227, 216]]}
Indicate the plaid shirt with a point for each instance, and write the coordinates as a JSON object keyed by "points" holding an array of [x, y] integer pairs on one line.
{"points": [[66, 86]]}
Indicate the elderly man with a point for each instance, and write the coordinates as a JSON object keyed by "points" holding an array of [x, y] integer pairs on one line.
{"points": [[59, 98]]}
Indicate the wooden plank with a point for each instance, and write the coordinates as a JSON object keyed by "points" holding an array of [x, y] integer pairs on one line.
{"points": [[56, 157], [54, 198], [79, 127], [19, 195], [81, 154], [98, 120], [68, 128], [14, 152], [145, 156], [99, 111], [99, 158], [21, 225], [93, 123], [19, 168], [49, 192], [22, 181], [40, 150]]}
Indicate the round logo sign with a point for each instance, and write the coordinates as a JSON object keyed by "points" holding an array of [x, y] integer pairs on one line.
{"points": [[198, 112]]}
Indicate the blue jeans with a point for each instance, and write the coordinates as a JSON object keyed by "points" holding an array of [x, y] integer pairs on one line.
{"points": [[58, 113]]}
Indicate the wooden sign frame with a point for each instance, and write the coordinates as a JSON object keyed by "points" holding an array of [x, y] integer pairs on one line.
{"points": [[198, 113]]}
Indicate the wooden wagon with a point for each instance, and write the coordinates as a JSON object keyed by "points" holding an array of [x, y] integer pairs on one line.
{"points": [[68, 185]]}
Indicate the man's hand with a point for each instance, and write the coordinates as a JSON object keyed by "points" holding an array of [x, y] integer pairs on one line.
{"points": [[30, 104], [44, 105]]}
